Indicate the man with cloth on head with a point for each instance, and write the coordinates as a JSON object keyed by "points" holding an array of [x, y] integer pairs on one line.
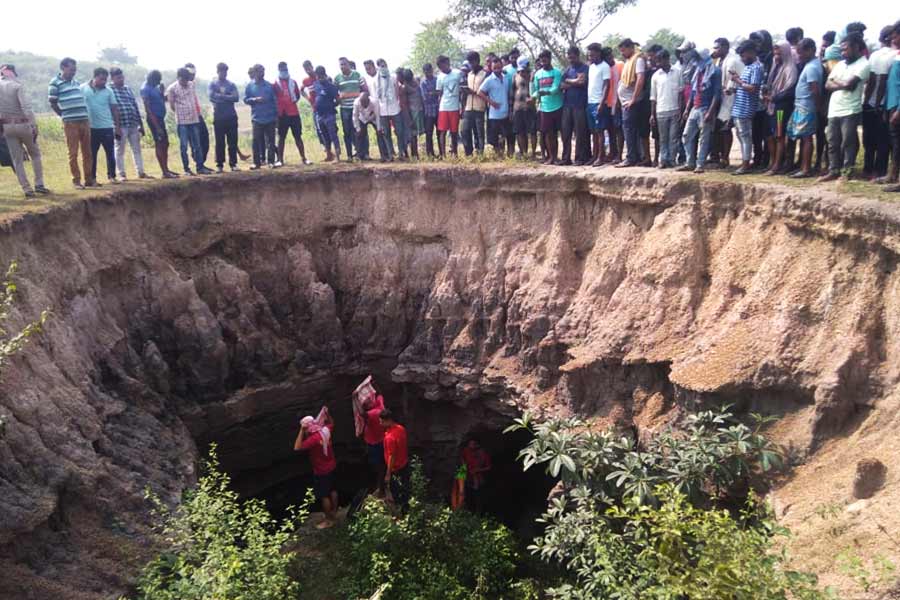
{"points": [[367, 407], [315, 438]]}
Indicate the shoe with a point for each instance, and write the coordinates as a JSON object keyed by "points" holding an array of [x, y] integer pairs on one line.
{"points": [[220, 169], [699, 170], [800, 175], [41, 190], [665, 166], [115, 181], [170, 175], [235, 168], [93, 184], [307, 162], [122, 178], [254, 167], [579, 163], [886, 180], [278, 164], [204, 171], [828, 177], [145, 176], [742, 171], [565, 163], [30, 195], [685, 168], [625, 164], [891, 188], [188, 173], [78, 185]]}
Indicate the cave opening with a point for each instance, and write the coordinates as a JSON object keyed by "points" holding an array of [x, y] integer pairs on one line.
{"points": [[257, 452]]}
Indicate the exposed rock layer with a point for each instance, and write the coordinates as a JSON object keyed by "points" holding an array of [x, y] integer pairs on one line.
{"points": [[212, 309]]}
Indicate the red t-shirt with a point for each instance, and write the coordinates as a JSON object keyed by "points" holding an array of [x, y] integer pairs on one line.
{"points": [[374, 432], [308, 84], [322, 464], [476, 459], [395, 445], [283, 96]]}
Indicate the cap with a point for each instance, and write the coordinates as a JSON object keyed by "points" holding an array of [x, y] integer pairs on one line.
{"points": [[686, 45], [8, 67], [522, 64]]}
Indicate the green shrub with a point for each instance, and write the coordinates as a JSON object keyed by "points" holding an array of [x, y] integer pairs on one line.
{"points": [[432, 553], [220, 548], [643, 523]]}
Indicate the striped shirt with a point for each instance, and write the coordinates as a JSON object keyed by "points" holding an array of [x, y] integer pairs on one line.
{"points": [[745, 103], [129, 113], [348, 84], [70, 98]]}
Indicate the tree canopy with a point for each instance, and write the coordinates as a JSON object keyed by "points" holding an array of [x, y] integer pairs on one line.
{"points": [[117, 54], [666, 38], [538, 24], [435, 38]]}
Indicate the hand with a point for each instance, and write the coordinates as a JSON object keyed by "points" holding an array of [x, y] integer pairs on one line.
{"points": [[652, 121], [895, 118], [626, 104], [495, 104], [708, 116], [141, 130]]}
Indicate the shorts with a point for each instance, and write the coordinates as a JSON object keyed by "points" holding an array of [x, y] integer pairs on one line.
{"points": [[159, 133], [498, 130], [448, 120], [597, 121], [778, 122], [323, 485], [375, 454], [551, 121], [416, 123], [292, 123], [803, 123], [525, 120]]}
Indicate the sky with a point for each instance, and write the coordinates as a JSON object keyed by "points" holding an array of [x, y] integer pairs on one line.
{"points": [[242, 34]]}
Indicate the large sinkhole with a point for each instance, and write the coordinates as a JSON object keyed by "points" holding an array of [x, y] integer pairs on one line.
{"points": [[225, 309]]}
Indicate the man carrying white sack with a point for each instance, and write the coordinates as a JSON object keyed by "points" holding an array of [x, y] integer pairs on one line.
{"points": [[315, 438]]}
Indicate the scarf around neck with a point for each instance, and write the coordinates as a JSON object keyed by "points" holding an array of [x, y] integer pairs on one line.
{"points": [[317, 425], [629, 72], [291, 84]]}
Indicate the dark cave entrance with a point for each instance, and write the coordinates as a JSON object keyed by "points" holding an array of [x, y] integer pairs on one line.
{"points": [[258, 452]]}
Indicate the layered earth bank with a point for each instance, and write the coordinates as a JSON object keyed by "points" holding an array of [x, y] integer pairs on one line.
{"points": [[223, 309]]}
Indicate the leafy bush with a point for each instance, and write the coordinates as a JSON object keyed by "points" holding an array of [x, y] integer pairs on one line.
{"points": [[432, 553], [641, 522], [219, 547], [713, 453]]}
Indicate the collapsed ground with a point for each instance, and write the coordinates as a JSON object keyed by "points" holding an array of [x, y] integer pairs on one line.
{"points": [[224, 309]]}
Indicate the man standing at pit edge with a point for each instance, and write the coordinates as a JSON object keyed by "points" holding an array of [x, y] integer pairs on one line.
{"points": [[18, 127], [396, 459], [67, 101]]}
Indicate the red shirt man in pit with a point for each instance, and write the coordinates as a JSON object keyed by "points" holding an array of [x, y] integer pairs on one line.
{"points": [[315, 439], [396, 459], [373, 435], [478, 463]]}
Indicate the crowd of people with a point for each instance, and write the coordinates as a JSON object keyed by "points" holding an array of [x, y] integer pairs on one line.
{"points": [[795, 107]]}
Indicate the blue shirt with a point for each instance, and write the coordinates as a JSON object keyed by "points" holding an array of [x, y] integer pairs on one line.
{"points": [[892, 91], [812, 73], [223, 95], [497, 91], [265, 110], [745, 103], [326, 95], [576, 96], [429, 97], [99, 104], [710, 86], [155, 99], [448, 84]]}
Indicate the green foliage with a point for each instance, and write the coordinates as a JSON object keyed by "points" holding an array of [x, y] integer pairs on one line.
{"points": [[640, 522], [500, 44], [35, 72], [672, 551], [435, 38], [11, 344], [711, 454], [220, 547], [666, 38], [432, 553], [116, 55], [539, 24], [880, 573]]}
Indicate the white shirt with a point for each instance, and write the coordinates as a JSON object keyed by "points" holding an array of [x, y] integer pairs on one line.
{"points": [[880, 63], [626, 93], [665, 89], [731, 63], [363, 115], [597, 74], [389, 101], [844, 103], [370, 83]]}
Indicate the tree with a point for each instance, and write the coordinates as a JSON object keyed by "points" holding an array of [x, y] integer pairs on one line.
{"points": [[611, 40], [539, 24], [435, 38], [499, 45], [118, 55], [12, 344], [666, 38]]}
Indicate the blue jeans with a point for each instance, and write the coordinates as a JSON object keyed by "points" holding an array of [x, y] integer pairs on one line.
{"points": [[328, 129], [744, 130], [668, 124], [472, 131], [190, 135], [696, 124]]}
